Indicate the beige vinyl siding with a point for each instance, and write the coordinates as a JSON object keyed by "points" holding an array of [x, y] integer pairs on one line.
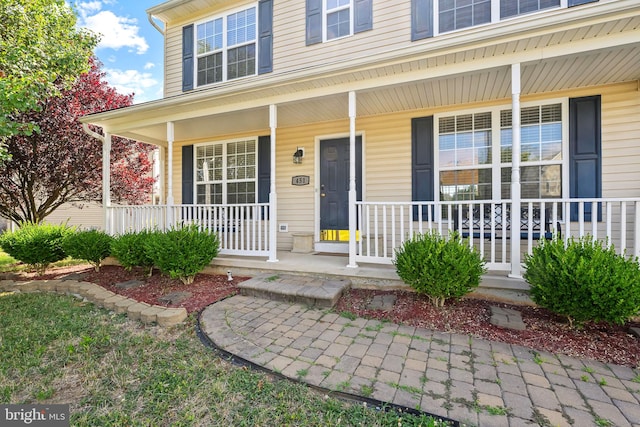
{"points": [[621, 141], [391, 31], [173, 61], [89, 216]]}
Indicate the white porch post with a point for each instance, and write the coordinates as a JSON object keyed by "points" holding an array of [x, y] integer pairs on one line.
{"points": [[273, 197], [515, 172], [352, 181], [106, 182], [170, 137]]}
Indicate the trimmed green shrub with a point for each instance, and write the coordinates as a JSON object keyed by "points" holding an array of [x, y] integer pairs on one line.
{"points": [[439, 267], [89, 245], [181, 253], [584, 280], [36, 244], [129, 250]]}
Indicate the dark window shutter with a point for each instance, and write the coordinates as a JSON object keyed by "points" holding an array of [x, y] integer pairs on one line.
{"points": [[264, 168], [422, 172], [265, 36], [187, 58], [579, 2], [421, 19], [314, 21], [585, 148], [363, 15], [187, 174]]}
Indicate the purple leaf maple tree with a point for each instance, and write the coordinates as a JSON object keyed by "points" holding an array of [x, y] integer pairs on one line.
{"points": [[62, 164]]}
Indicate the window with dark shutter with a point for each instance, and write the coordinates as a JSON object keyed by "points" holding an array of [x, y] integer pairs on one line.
{"points": [[422, 162], [421, 19], [314, 22], [187, 174], [265, 36], [336, 19], [585, 153], [187, 58]]}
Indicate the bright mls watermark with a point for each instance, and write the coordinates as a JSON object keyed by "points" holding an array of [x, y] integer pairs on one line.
{"points": [[34, 415]]}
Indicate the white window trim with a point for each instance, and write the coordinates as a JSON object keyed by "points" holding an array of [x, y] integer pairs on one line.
{"points": [[225, 143], [325, 13], [496, 163], [495, 16], [225, 47]]}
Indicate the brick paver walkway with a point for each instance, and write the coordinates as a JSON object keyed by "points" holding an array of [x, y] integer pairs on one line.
{"points": [[471, 380]]}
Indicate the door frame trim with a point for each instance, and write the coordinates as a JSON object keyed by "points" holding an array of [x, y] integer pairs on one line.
{"points": [[316, 187]]}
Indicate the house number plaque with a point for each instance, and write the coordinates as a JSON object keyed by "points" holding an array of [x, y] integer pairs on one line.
{"points": [[300, 180]]}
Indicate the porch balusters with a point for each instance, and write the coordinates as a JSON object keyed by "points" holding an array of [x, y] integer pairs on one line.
{"points": [[489, 225]]}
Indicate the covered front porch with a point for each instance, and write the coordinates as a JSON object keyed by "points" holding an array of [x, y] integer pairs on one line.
{"points": [[372, 104]]}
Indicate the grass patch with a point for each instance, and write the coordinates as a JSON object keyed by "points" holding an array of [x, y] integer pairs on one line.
{"points": [[348, 315], [113, 371], [8, 263]]}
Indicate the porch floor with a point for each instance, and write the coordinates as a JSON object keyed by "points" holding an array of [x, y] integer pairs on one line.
{"points": [[495, 284]]}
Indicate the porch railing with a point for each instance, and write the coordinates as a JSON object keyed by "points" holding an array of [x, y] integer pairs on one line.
{"points": [[487, 225], [242, 229]]}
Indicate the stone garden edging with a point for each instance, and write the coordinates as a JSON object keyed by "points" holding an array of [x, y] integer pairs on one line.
{"points": [[135, 310]]}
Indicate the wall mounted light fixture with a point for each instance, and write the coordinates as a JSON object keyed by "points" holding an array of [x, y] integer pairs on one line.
{"points": [[298, 155]]}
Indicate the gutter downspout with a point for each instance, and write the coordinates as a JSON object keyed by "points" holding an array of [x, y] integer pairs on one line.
{"points": [[153, 23], [106, 173]]}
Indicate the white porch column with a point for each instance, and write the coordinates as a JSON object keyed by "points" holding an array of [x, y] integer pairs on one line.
{"points": [[515, 172], [106, 182], [352, 181], [170, 137], [273, 197]]}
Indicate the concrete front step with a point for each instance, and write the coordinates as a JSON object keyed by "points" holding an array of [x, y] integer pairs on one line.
{"points": [[308, 290]]}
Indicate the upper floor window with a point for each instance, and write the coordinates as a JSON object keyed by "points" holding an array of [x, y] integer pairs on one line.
{"points": [[337, 18], [518, 7], [457, 14], [226, 47], [333, 19], [432, 17]]}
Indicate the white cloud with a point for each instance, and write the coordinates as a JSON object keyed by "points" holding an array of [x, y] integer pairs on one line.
{"points": [[133, 81], [115, 31], [87, 7], [149, 65]]}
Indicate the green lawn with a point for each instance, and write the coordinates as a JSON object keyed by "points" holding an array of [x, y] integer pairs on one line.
{"points": [[113, 371], [6, 262]]}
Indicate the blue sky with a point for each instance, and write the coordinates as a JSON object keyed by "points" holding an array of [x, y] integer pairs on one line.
{"points": [[130, 49]]}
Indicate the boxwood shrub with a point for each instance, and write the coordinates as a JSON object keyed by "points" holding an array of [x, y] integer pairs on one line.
{"points": [[89, 245], [439, 267], [584, 280], [129, 250], [183, 252], [36, 244]]}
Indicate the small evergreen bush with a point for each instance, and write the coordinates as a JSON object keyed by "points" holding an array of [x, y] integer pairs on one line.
{"points": [[439, 267], [584, 280], [181, 253], [89, 245], [36, 244], [129, 250]]}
